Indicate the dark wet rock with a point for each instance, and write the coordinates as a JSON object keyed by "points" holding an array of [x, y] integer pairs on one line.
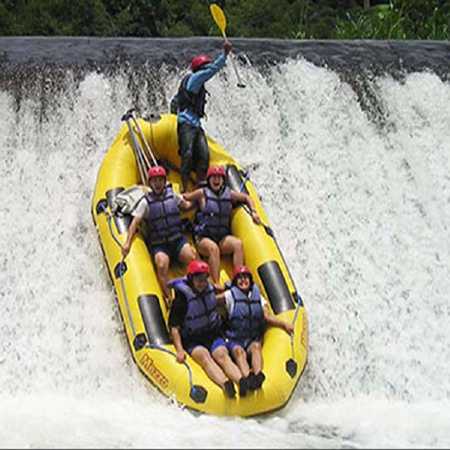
{"points": [[44, 67], [103, 53]]}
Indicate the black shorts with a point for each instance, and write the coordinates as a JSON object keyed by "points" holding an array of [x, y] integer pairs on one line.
{"points": [[172, 249], [217, 240], [210, 343]]}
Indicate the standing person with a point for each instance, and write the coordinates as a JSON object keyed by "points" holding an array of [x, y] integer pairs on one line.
{"points": [[161, 209], [195, 327], [189, 105], [212, 229], [248, 316]]}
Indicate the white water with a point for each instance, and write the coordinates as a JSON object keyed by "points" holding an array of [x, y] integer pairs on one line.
{"points": [[360, 211]]}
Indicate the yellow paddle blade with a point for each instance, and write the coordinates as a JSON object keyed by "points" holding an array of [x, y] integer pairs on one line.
{"points": [[218, 16]]}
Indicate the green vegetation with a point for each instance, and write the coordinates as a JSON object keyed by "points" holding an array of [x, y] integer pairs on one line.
{"points": [[285, 19], [401, 19]]}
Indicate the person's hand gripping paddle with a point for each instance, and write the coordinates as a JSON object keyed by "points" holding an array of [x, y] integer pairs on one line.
{"points": [[221, 21]]}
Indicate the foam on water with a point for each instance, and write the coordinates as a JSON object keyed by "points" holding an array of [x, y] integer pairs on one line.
{"points": [[360, 209]]}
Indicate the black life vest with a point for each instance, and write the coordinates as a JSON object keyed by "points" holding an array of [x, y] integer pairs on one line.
{"points": [[185, 99]]}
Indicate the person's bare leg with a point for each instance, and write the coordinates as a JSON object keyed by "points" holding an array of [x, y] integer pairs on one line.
{"points": [[231, 245], [256, 355], [207, 247], [187, 254], [202, 356], [240, 356], [222, 357], [162, 262]]}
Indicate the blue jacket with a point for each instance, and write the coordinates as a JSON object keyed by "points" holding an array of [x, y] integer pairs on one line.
{"points": [[195, 83]]}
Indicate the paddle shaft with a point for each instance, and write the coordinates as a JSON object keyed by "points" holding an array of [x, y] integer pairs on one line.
{"points": [[144, 140], [233, 63], [138, 154], [221, 21]]}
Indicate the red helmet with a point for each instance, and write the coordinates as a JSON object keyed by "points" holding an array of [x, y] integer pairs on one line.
{"points": [[242, 270], [216, 170], [157, 171], [197, 266], [199, 61]]}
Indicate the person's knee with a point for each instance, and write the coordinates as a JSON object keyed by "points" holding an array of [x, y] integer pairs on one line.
{"points": [[191, 254], [237, 245], [239, 352], [186, 154], [220, 355], [187, 254], [201, 355], [186, 159], [213, 251], [256, 346], [202, 166], [162, 262], [186, 164]]}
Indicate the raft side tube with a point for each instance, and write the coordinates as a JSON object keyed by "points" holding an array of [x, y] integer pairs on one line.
{"points": [[235, 180], [275, 285], [154, 323]]}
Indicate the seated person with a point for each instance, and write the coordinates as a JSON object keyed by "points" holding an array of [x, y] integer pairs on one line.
{"points": [[247, 318], [195, 327], [212, 229], [161, 209]]}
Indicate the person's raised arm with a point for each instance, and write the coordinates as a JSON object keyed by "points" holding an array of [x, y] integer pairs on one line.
{"points": [[199, 78]]}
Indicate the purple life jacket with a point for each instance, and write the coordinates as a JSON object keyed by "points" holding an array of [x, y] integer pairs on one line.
{"points": [[215, 219], [202, 317], [247, 319], [164, 217]]}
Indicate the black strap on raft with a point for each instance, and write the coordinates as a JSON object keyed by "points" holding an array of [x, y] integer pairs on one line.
{"points": [[291, 365], [139, 341], [101, 206], [120, 269]]}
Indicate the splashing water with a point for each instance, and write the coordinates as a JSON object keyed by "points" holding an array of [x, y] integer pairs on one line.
{"points": [[360, 209]]}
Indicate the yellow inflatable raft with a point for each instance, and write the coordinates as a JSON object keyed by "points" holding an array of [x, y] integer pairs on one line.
{"points": [[140, 297]]}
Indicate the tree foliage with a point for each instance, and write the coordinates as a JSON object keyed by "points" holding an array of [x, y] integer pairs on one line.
{"points": [[298, 19]]}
